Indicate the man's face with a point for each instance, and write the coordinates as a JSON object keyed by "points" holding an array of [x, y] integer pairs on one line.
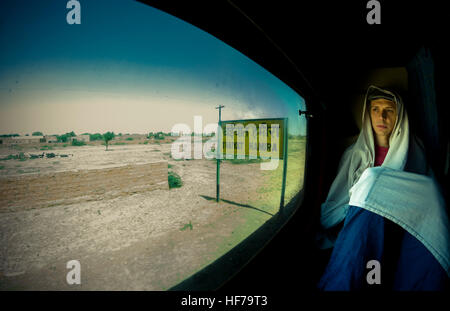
{"points": [[383, 114]]}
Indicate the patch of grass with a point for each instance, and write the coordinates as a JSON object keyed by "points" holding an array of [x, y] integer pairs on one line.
{"points": [[270, 191], [117, 144], [78, 143], [267, 196], [45, 147], [9, 157], [170, 165], [174, 180], [129, 138], [65, 145], [244, 161], [2, 167], [189, 225], [21, 157]]}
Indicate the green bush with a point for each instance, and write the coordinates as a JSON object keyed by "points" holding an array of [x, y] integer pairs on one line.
{"points": [[159, 135], [174, 180], [129, 138], [9, 157], [21, 157], [96, 136], [78, 143], [9, 135], [189, 225]]}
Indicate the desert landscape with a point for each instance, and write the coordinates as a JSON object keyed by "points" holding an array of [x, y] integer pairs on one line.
{"points": [[120, 214]]}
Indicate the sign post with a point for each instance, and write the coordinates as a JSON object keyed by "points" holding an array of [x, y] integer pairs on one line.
{"points": [[285, 159], [219, 151], [266, 138]]}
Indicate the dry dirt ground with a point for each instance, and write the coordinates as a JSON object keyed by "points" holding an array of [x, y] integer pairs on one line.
{"points": [[145, 241]]}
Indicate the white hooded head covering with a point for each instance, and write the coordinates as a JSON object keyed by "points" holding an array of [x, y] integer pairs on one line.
{"points": [[361, 155]]}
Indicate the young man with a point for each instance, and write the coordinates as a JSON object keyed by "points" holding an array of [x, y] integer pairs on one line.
{"points": [[391, 208], [383, 114]]}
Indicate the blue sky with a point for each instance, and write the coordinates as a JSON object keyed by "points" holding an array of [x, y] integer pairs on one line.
{"points": [[127, 68]]}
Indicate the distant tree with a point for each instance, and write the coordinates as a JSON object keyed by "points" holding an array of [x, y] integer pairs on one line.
{"points": [[37, 134], [9, 135], [150, 135], [27, 134], [107, 137], [96, 136], [65, 137], [62, 138], [159, 135]]}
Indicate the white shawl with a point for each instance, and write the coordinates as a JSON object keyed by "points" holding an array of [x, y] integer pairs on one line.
{"points": [[361, 155]]}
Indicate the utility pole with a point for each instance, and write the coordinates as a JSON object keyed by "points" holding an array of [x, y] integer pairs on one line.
{"points": [[219, 152]]}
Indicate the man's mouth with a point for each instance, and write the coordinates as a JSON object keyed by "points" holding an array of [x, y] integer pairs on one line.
{"points": [[381, 126]]}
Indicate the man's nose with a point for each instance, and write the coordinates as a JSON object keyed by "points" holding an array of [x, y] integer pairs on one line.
{"points": [[383, 114]]}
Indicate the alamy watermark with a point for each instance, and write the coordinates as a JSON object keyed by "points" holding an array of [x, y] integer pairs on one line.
{"points": [[374, 275], [374, 15], [211, 149], [74, 15], [74, 275]]}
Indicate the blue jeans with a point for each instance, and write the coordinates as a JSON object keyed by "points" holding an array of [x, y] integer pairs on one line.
{"points": [[406, 264]]}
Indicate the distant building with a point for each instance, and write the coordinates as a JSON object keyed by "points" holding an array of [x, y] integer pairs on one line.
{"points": [[51, 139], [85, 138], [22, 140]]}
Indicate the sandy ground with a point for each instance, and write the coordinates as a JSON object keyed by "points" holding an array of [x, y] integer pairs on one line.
{"points": [[80, 158], [134, 242]]}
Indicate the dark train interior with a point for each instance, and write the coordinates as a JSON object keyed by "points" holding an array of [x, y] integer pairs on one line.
{"points": [[329, 55]]}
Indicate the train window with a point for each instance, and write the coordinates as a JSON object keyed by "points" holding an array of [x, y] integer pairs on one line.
{"points": [[118, 180]]}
